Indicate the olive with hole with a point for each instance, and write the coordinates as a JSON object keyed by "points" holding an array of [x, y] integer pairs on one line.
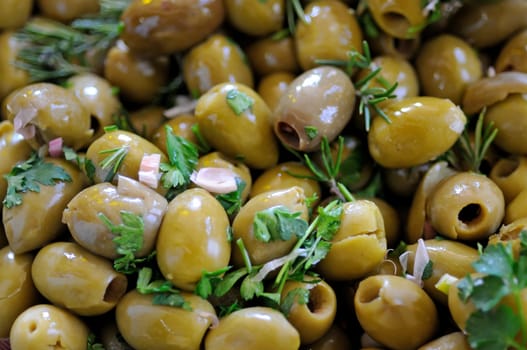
{"points": [[513, 55], [402, 19], [510, 174]]}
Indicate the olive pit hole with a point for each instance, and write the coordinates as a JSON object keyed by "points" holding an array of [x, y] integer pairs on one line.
{"points": [[288, 134], [396, 20], [115, 289], [316, 299], [95, 125], [469, 213], [370, 293]]}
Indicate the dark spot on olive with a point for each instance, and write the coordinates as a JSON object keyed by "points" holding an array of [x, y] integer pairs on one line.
{"points": [[94, 124]]}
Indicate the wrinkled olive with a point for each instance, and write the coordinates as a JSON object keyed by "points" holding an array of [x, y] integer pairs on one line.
{"points": [[12, 77], [255, 17], [247, 135], [318, 103], [67, 10], [513, 55], [271, 56], [446, 65], [214, 61], [510, 174], [398, 18], [451, 341], [255, 328], [43, 326], [158, 27], [388, 307], [466, 206], [13, 149], [421, 129], [14, 13], [193, 238], [273, 86]]}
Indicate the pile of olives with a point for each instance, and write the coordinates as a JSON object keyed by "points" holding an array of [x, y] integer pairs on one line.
{"points": [[389, 107]]}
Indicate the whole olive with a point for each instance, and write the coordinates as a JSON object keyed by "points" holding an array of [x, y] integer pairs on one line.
{"points": [[43, 326], [446, 65], [67, 10], [13, 149], [17, 291], [14, 14], [159, 27], [193, 238], [318, 103], [12, 76], [398, 18], [47, 111], [255, 328], [273, 86], [466, 206], [421, 129], [36, 221], [248, 134], [328, 31], [395, 311], [82, 215], [451, 341], [255, 17], [513, 55], [269, 55], [510, 174], [142, 323]]}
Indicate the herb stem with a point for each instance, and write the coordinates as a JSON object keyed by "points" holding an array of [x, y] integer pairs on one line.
{"points": [[245, 255]]}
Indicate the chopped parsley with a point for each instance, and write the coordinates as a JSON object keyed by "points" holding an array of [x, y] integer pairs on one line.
{"points": [[164, 292], [238, 101], [278, 223]]}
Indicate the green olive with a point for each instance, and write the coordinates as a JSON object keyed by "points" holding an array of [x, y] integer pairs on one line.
{"points": [[510, 174], [82, 215], [273, 86], [50, 111], [451, 341], [216, 60], [256, 17], [513, 55], [398, 18], [334, 339], [260, 252], [421, 129], [159, 27], [466, 206], [395, 312], [146, 121], [446, 65], [516, 208], [255, 328], [247, 135], [403, 182], [73, 278], [138, 78], [17, 291], [12, 77], [26, 231], [358, 246], [318, 103], [193, 238], [181, 126], [67, 10], [392, 222], [272, 56], [142, 323], [13, 149], [460, 311], [329, 31], [385, 44], [14, 14], [312, 319], [46, 326]]}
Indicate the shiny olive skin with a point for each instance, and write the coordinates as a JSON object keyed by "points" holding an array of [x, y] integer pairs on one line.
{"points": [[138, 78], [329, 31], [398, 17], [141, 323], [53, 111], [334, 339], [358, 246], [421, 129], [36, 221], [135, 145], [17, 291], [322, 98], [466, 206], [271, 87], [67, 10], [87, 228], [451, 341], [248, 136], [255, 328], [271, 56], [254, 17], [284, 176], [159, 27], [14, 13], [73, 278], [313, 319], [147, 120], [513, 55], [181, 126], [510, 174], [193, 238], [216, 60], [454, 258], [261, 252], [43, 326], [395, 311], [446, 65], [13, 149], [12, 77]]}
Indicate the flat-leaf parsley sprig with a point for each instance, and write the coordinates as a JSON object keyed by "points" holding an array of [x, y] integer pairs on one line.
{"points": [[164, 291]]}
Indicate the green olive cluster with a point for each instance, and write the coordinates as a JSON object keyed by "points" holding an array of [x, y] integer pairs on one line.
{"points": [[406, 118]]}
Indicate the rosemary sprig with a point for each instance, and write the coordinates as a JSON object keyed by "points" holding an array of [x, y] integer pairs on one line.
{"points": [[293, 11], [113, 161]]}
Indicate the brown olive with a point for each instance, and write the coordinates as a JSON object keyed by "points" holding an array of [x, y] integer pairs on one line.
{"points": [[513, 55], [73, 278], [404, 181], [330, 29], [13, 149], [255, 17], [255, 328], [181, 126], [142, 323], [398, 18], [269, 55], [12, 77], [14, 14], [395, 311], [510, 174], [67, 10], [46, 326], [158, 27], [466, 206], [451, 341], [318, 103], [273, 86], [147, 120], [216, 60]]}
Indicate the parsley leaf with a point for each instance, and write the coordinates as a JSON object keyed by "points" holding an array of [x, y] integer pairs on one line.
{"points": [[311, 131], [278, 223], [208, 281], [238, 101], [251, 288], [232, 201], [165, 292], [493, 330], [84, 164], [297, 295], [92, 343], [28, 175]]}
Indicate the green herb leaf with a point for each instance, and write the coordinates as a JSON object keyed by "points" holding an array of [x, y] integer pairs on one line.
{"points": [[251, 288], [329, 222], [229, 281], [493, 330], [162, 288], [311, 131], [92, 343], [171, 299], [29, 175], [113, 161], [278, 223], [298, 295], [232, 201], [208, 281], [428, 270], [497, 260], [488, 291], [238, 101]]}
